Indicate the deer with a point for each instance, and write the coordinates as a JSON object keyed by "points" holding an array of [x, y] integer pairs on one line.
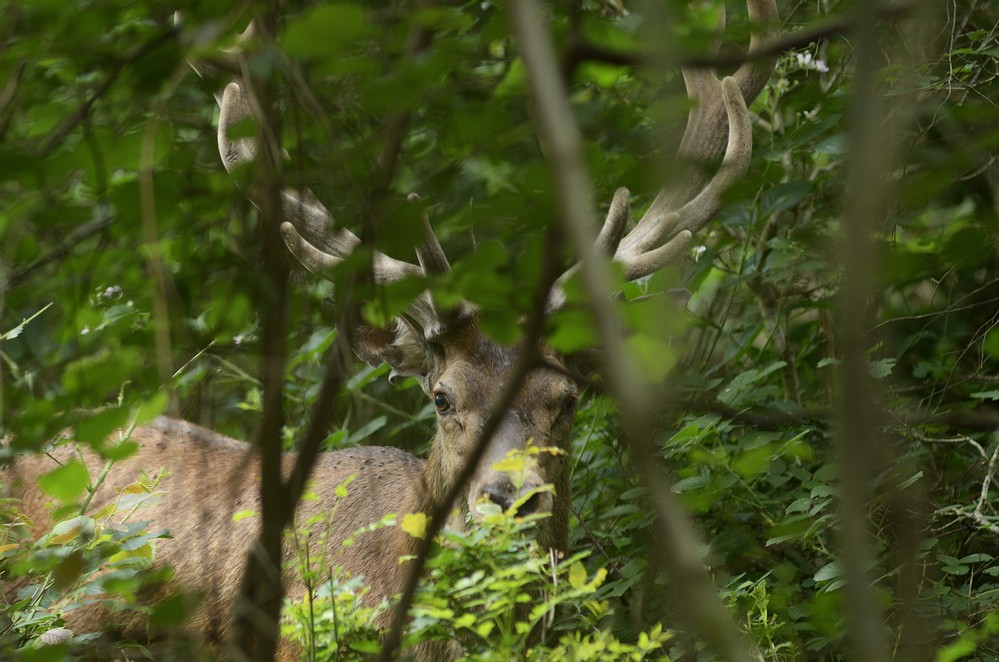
{"points": [[206, 478]]}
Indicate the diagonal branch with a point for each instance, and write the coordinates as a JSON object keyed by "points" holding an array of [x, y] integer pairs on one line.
{"points": [[70, 121], [580, 50], [680, 544], [528, 359]]}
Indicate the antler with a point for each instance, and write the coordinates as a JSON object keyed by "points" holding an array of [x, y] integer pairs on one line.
{"points": [[310, 233], [677, 213]]}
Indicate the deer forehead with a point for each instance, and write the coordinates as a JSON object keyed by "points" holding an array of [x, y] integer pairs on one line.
{"points": [[476, 385]]}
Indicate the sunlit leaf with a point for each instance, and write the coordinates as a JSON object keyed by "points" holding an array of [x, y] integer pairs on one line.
{"points": [[415, 524]]}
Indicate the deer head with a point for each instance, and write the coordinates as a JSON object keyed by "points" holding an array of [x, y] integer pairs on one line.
{"points": [[460, 368]]}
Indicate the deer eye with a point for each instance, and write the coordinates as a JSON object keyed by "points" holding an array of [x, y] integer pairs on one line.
{"points": [[569, 403], [441, 402]]}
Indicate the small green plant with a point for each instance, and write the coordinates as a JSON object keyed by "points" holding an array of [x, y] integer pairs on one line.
{"points": [[331, 622], [494, 590], [763, 624], [101, 558], [490, 588]]}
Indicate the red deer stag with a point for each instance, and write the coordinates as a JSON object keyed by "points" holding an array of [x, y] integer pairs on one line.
{"points": [[207, 478]]}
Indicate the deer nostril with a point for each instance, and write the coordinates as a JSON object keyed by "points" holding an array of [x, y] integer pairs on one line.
{"points": [[498, 497], [530, 506]]}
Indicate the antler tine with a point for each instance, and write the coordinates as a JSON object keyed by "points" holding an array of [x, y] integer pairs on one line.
{"points": [[308, 229], [234, 108], [617, 218], [432, 259], [431, 256], [678, 212], [661, 220]]}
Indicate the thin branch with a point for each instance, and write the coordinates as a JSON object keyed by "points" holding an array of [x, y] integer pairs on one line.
{"points": [[322, 415], [979, 521], [860, 444], [7, 94], [528, 360], [990, 474], [679, 543], [60, 132], [71, 241], [581, 51], [838, 25], [255, 630], [154, 262]]}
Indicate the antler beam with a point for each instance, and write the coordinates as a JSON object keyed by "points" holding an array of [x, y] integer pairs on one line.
{"points": [[683, 208]]}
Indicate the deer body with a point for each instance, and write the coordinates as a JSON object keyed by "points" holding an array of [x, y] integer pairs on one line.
{"points": [[208, 478]]}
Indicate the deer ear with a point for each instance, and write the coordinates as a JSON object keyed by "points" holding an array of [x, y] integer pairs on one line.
{"points": [[402, 347]]}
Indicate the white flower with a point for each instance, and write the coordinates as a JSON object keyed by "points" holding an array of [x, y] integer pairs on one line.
{"points": [[808, 61], [697, 252], [110, 293]]}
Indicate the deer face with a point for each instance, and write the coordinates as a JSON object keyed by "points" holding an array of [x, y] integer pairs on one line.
{"points": [[464, 373]]}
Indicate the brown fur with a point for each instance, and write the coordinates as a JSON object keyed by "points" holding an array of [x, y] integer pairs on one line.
{"points": [[208, 478]]}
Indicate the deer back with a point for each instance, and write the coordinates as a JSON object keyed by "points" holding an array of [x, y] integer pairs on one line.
{"points": [[204, 481]]}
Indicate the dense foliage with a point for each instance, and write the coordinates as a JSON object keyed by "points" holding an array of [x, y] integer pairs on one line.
{"points": [[129, 280]]}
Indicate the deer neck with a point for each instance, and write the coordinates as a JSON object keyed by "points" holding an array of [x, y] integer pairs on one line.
{"points": [[440, 470]]}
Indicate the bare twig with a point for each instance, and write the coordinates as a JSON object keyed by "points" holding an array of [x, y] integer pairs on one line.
{"points": [[528, 359], [154, 262], [983, 497], [71, 241], [679, 543], [66, 125], [581, 50], [7, 106], [860, 442], [977, 520]]}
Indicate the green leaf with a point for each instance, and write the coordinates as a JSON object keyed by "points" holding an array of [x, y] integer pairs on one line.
{"points": [[16, 331], [326, 31], [415, 524], [368, 429], [961, 647], [754, 462], [65, 483], [68, 570], [881, 368], [991, 344], [95, 377], [96, 429], [151, 408], [958, 570], [739, 389], [369, 646], [71, 529], [170, 612], [573, 330], [828, 572], [654, 354], [784, 196], [577, 575]]}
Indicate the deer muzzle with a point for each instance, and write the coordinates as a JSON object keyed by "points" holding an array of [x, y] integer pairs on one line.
{"points": [[515, 483]]}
